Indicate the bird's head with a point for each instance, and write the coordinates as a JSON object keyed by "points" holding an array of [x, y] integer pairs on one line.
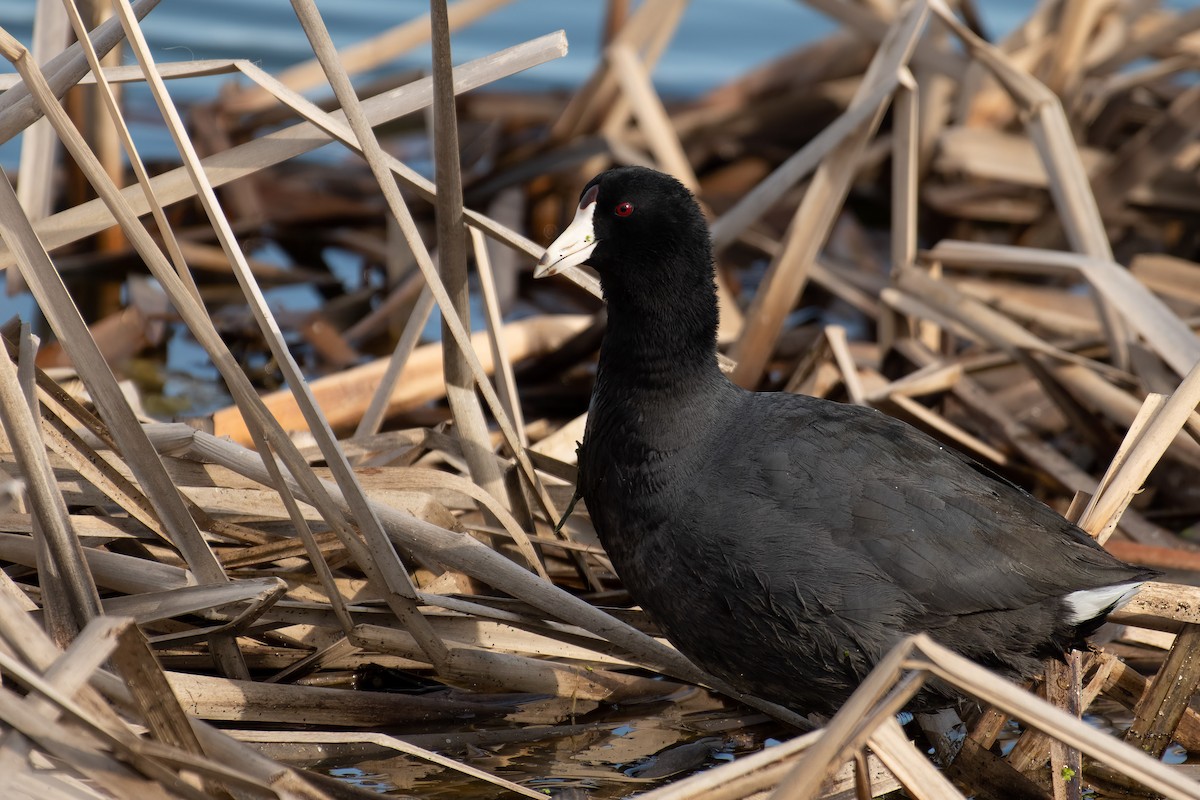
{"points": [[631, 223]]}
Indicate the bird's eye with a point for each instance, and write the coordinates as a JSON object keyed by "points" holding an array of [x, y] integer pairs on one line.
{"points": [[623, 209]]}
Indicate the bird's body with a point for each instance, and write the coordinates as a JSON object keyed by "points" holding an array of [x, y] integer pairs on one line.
{"points": [[784, 542]]}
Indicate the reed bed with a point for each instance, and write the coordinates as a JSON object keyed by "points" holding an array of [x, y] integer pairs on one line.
{"points": [[992, 241]]}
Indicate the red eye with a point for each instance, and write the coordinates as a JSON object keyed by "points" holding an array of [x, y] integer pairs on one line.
{"points": [[623, 209]]}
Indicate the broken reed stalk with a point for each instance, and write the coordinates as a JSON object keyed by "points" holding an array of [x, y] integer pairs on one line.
{"points": [[69, 673], [17, 108], [1120, 485], [365, 55], [911, 767], [922, 655], [199, 321], [59, 555], [506, 382], [810, 226], [650, 114], [452, 264], [56, 303], [374, 155], [399, 581], [381, 560], [112, 106], [50, 38], [1146, 313], [597, 104], [276, 147]]}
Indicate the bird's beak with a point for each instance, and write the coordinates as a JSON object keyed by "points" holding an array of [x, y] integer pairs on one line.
{"points": [[574, 244]]}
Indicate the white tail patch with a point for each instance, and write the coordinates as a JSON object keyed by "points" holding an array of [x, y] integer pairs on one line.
{"points": [[1090, 603]]}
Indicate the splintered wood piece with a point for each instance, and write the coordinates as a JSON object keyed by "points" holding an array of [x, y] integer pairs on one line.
{"points": [[51, 697], [103, 768], [981, 684], [1162, 706], [913, 769], [1063, 690], [1160, 604], [346, 395], [1127, 687], [489, 671], [989, 775], [247, 701], [862, 777], [152, 693], [1125, 479]]}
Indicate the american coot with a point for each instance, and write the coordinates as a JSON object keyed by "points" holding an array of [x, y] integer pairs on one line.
{"points": [[782, 542]]}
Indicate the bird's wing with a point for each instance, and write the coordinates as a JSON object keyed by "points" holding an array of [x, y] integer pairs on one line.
{"points": [[864, 492]]}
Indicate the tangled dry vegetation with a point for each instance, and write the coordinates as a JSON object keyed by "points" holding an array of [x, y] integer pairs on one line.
{"points": [[994, 242]]}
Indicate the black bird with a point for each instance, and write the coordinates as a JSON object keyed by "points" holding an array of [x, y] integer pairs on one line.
{"points": [[783, 542]]}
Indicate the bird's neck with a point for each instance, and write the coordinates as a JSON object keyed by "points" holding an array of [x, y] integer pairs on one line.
{"points": [[660, 342], [658, 389]]}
